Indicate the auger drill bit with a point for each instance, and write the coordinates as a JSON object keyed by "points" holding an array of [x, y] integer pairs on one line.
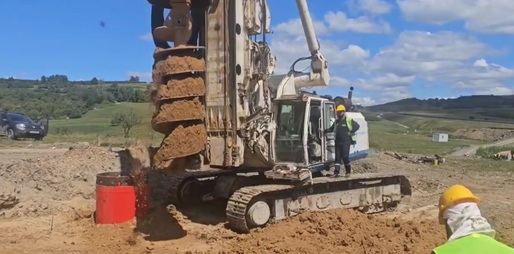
{"points": [[178, 90]]}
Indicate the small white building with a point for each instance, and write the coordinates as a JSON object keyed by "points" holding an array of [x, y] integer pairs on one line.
{"points": [[440, 137]]}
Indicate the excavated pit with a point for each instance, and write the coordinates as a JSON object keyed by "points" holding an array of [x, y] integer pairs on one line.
{"points": [[180, 87], [182, 141], [180, 110]]}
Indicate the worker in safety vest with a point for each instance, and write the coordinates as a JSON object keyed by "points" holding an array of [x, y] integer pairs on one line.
{"points": [[467, 231], [345, 129]]}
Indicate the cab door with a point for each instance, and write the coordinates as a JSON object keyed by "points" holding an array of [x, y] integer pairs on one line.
{"points": [[328, 140]]}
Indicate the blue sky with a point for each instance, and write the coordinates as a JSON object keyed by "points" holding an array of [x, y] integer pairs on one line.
{"points": [[387, 50]]}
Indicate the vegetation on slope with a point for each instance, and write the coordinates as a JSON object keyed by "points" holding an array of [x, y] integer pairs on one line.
{"points": [[427, 124], [489, 152], [56, 97], [477, 107]]}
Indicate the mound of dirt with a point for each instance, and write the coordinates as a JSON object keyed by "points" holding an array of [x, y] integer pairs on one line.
{"points": [[341, 231], [426, 185], [484, 134], [364, 167], [42, 185]]}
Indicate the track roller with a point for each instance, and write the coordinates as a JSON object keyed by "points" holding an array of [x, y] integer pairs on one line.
{"points": [[249, 208]]}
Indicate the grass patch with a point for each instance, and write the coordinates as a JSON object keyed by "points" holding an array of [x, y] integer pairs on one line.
{"points": [[489, 152], [478, 165], [388, 136], [440, 125], [95, 126]]}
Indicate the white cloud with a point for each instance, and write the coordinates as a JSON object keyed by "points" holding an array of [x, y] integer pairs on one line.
{"points": [[335, 22], [294, 27], [485, 16], [387, 82], [364, 101], [288, 44], [453, 61], [497, 90], [443, 57], [353, 54], [339, 81], [480, 63], [289, 48], [375, 6], [146, 37], [339, 22], [143, 76]]}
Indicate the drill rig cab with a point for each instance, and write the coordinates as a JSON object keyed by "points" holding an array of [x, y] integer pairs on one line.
{"points": [[300, 140], [261, 144]]}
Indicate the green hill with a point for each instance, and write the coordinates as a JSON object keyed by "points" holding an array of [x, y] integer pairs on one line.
{"points": [[474, 108], [56, 97]]}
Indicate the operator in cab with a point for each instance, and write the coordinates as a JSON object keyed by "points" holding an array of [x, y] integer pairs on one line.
{"points": [[466, 230], [344, 128]]}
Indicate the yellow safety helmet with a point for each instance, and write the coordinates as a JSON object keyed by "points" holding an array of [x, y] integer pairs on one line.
{"points": [[455, 195], [340, 108]]}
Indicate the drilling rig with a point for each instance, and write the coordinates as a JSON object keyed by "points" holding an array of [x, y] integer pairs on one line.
{"points": [[223, 120]]}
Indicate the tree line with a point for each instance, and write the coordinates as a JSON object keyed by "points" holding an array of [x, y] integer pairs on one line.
{"points": [[56, 97]]}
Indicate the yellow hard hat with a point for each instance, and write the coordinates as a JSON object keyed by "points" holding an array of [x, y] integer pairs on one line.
{"points": [[455, 195], [340, 108]]}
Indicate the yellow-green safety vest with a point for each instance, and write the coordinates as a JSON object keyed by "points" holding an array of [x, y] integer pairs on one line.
{"points": [[474, 244], [350, 128]]}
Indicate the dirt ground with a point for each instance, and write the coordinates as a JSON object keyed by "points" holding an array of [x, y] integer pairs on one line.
{"points": [[485, 134], [47, 200]]}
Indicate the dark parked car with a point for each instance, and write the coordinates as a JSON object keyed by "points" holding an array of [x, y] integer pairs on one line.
{"points": [[15, 125]]}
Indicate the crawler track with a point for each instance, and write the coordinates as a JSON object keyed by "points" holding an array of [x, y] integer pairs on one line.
{"points": [[368, 193], [241, 200], [178, 96]]}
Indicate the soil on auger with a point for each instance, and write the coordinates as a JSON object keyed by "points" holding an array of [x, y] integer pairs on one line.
{"points": [[179, 87], [181, 142], [179, 61], [178, 110], [177, 94]]}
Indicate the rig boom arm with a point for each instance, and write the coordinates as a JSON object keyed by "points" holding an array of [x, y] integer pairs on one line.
{"points": [[319, 75]]}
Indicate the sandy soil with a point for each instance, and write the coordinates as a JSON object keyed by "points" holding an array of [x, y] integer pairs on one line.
{"points": [[47, 200], [485, 134]]}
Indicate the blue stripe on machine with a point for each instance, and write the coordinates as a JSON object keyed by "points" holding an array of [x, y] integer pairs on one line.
{"points": [[359, 155]]}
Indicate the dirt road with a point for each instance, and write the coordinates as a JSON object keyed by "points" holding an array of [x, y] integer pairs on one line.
{"points": [[52, 199], [471, 150]]}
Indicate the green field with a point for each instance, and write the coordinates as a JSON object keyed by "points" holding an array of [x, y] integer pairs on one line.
{"points": [[388, 136], [96, 125], [384, 135], [425, 124]]}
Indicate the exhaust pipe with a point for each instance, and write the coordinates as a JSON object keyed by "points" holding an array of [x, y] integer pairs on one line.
{"points": [[350, 93]]}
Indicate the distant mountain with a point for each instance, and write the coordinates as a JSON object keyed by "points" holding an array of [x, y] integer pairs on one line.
{"points": [[476, 107], [463, 102]]}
